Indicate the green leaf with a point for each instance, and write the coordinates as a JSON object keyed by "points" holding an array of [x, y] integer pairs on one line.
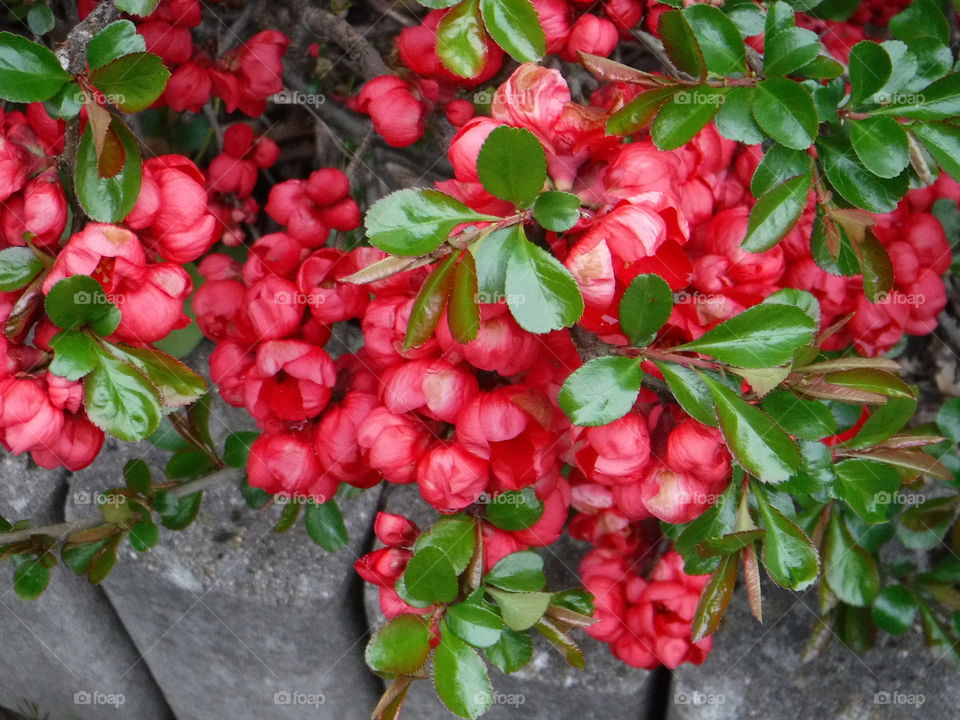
{"points": [[132, 82], [822, 67], [715, 599], [948, 419], [562, 642], [399, 647], [430, 303], [453, 535], [136, 473], [108, 199], [735, 119], [762, 336], [681, 44], [921, 19], [117, 39], [430, 577], [474, 624], [639, 112], [515, 26], [685, 115], [144, 535], [492, 253], [18, 266], [30, 577], [512, 165], [236, 447], [729, 543], [511, 652], [755, 441], [720, 40], [894, 609], [850, 571], [938, 101], [141, 8], [460, 678], [463, 313], [690, 392], [790, 557], [79, 301], [78, 557], [183, 513], [805, 419], [541, 292], [784, 110], [120, 400], [514, 509], [875, 381], [779, 164], [942, 142], [788, 50], [867, 487], [601, 391], [416, 222], [557, 211], [776, 213], [462, 41], [177, 384], [518, 572], [870, 69], [28, 72], [645, 307], [838, 10], [75, 354], [881, 144], [325, 526], [40, 19], [520, 610], [855, 183]]}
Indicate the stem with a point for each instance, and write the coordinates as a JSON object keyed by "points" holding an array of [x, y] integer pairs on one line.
{"points": [[667, 356], [61, 531]]}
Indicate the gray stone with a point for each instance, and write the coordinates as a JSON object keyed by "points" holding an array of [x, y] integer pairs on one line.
{"points": [[548, 688], [67, 653], [755, 671]]}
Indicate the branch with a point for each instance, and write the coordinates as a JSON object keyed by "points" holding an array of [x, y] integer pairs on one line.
{"points": [[359, 53], [72, 53], [61, 531], [590, 347]]}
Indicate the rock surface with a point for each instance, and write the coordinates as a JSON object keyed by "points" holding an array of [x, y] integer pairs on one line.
{"points": [[755, 671]]}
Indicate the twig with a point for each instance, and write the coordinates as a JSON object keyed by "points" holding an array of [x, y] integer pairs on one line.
{"points": [[72, 54], [61, 531], [359, 53]]}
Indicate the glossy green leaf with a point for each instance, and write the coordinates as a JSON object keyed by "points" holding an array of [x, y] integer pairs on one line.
{"points": [[639, 112], [79, 301], [430, 303], [754, 439], [715, 598], [790, 557], [785, 111], [645, 307], [324, 524], [788, 50], [867, 487], [685, 115], [120, 400], [515, 26], [690, 392], [601, 391], [453, 535], [562, 642], [870, 69], [514, 509], [881, 144], [30, 577], [144, 535], [518, 572], [176, 384], [474, 624], [850, 571], [735, 119], [462, 41], [776, 213], [557, 211], [460, 677], [511, 652], [943, 143], [762, 336], [183, 513], [876, 266], [463, 313], [512, 165], [108, 199], [416, 222], [779, 164], [921, 19], [948, 419], [720, 40], [117, 39], [141, 8], [18, 266], [28, 72], [430, 577], [520, 610], [938, 101], [855, 183], [894, 609], [132, 82], [40, 19], [804, 419], [681, 44], [400, 647], [491, 255], [541, 292], [75, 354]]}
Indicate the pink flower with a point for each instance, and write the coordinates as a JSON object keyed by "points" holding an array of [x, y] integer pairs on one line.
{"points": [[395, 530], [392, 444], [284, 463], [450, 478], [290, 381]]}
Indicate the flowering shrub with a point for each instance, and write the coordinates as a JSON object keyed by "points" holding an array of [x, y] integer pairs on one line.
{"points": [[658, 315]]}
